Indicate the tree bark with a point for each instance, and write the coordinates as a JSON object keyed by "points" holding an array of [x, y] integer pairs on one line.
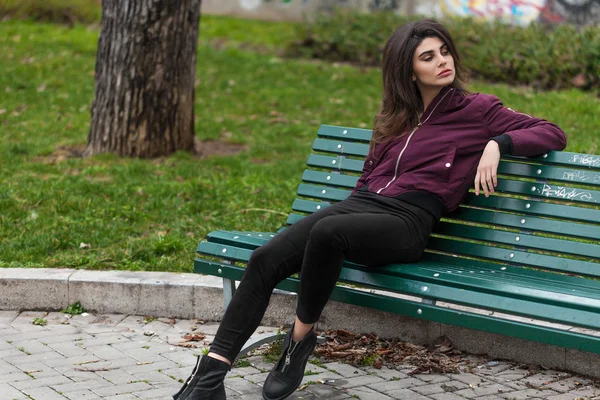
{"points": [[145, 78]]}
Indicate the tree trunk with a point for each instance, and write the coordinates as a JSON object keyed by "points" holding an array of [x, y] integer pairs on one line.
{"points": [[145, 76]]}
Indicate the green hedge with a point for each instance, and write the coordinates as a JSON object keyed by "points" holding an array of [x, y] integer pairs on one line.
{"points": [[532, 55]]}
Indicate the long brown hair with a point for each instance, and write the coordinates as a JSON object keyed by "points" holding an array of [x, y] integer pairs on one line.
{"points": [[402, 100]]}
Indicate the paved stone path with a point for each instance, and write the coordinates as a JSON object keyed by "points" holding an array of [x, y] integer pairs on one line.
{"points": [[122, 357]]}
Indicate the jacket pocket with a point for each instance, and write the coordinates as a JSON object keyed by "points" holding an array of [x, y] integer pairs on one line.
{"points": [[446, 164]]}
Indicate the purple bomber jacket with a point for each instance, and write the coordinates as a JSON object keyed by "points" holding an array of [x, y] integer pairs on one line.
{"points": [[440, 156]]}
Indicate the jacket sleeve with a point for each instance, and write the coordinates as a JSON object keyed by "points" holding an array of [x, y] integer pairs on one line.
{"points": [[366, 170], [520, 134]]}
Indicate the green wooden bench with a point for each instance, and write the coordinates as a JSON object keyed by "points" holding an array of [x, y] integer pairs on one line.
{"points": [[531, 250]]}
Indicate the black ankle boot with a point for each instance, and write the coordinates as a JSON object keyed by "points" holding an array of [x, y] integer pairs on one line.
{"points": [[205, 382], [287, 374]]}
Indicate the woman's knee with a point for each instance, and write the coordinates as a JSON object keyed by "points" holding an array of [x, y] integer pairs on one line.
{"points": [[267, 264], [326, 232]]}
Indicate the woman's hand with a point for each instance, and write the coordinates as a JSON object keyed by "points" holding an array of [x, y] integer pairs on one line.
{"points": [[487, 169]]}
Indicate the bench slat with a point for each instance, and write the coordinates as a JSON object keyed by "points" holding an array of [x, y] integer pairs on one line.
{"points": [[419, 310], [346, 133], [341, 147], [522, 240], [565, 158], [515, 256], [335, 163], [534, 207], [527, 222], [328, 178]]}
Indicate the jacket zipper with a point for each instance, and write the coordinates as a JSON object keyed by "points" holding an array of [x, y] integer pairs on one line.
{"points": [[408, 140]]}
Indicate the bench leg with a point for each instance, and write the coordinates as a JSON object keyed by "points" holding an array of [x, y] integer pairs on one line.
{"points": [[265, 338], [428, 301], [228, 290]]}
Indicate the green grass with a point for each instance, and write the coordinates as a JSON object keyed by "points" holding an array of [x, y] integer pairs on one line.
{"points": [[150, 214]]}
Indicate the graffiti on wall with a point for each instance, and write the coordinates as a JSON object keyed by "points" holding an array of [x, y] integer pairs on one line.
{"points": [[513, 11], [522, 12], [579, 12]]}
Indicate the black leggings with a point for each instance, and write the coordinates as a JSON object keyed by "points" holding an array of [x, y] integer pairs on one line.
{"points": [[365, 228]]}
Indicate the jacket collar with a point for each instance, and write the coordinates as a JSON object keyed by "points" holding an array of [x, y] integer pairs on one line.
{"points": [[436, 100]]}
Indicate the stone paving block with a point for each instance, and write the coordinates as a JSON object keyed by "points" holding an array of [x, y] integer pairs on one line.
{"points": [[444, 387], [386, 373], [6, 368], [329, 377], [568, 384], [117, 376], [493, 389], [178, 374], [563, 396], [446, 396], [81, 394], [14, 352], [154, 378], [362, 380], [69, 349], [89, 384], [77, 375], [121, 389], [4, 345], [127, 396], [105, 352], [469, 378], [14, 378], [586, 391], [344, 369], [6, 317], [10, 392], [431, 378], [244, 371], [149, 367], [101, 339], [395, 385], [32, 346], [364, 393], [40, 357], [38, 370], [43, 393], [71, 361], [42, 382], [182, 358], [529, 393], [259, 379], [405, 394], [241, 386], [73, 337], [158, 393]]}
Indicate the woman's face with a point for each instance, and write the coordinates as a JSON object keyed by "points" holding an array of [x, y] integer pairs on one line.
{"points": [[433, 65]]}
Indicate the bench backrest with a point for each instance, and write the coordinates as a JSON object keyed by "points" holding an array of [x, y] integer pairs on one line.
{"points": [[545, 212]]}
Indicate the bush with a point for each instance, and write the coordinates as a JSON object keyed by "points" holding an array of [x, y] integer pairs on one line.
{"points": [[58, 11], [532, 55]]}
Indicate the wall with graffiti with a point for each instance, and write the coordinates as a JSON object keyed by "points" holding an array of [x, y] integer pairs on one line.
{"points": [[522, 12]]}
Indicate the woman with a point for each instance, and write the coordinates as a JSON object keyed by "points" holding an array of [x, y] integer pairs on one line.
{"points": [[431, 140]]}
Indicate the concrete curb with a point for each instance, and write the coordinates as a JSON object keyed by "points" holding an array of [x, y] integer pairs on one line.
{"points": [[163, 294]]}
